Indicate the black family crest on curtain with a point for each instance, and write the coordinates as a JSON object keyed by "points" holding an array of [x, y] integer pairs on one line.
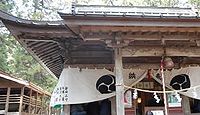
{"points": [[181, 81], [106, 84]]}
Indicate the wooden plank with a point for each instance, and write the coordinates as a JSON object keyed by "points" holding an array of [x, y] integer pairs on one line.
{"points": [[39, 30], [138, 51], [87, 60], [57, 67], [86, 54], [7, 100], [49, 53], [49, 35], [57, 60], [40, 54], [137, 36], [157, 29], [5, 83], [45, 48], [127, 65], [106, 21], [50, 58]]}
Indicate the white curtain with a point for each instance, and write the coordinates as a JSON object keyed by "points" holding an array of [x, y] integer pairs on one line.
{"points": [[181, 80], [77, 85]]}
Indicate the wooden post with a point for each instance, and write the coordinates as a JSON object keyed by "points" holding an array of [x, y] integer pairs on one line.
{"points": [[30, 103], [21, 100], [113, 105], [119, 81], [185, 105], [36, 103], [66, 109], [42, 104], [7, 100]]}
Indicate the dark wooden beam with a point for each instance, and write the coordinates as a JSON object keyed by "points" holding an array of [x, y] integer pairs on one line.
{"points": [[134, 36], [53, 61], [48, 53], [127, 65], [137, 29], [86, 54], [52, 57], [45, 46], [137, 51], [34, 44]]}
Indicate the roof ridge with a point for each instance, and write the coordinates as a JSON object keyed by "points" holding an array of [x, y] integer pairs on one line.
{"points": [[78, 5]]}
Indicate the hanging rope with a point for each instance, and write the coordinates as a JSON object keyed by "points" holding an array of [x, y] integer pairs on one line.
{"points": [[163, 82], [151, 91]]}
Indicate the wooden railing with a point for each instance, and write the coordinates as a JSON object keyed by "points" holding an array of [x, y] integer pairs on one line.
{"points": [[26, 99], [3, 99], [12, 99], [15, 98], [29, 104]]}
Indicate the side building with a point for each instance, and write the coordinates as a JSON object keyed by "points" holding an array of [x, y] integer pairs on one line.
{"points": [[19, 97]]}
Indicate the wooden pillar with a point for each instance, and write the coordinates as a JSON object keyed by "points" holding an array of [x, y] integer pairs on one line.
{"points": [[66, 109], [42, 104], [113, 105], [7, 100], [36, 103], [119, 82], [30, 96], [21, 100], [185, 105]]}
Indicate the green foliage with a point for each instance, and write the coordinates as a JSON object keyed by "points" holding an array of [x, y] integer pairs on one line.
{"points": [[6, 5], [17, 61], [195, 4], [162, 3], [155, 3], [4, 55]]}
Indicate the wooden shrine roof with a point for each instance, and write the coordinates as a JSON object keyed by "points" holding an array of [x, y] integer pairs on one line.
{"points": [[132, 11], [87, 34]]}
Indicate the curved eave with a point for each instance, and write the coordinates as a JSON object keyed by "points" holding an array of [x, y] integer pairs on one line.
{"points": [[55, 45], [9, 17], [33, 34]]}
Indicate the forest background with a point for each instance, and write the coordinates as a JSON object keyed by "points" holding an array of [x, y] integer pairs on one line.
{"points": [[16, 61]]}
